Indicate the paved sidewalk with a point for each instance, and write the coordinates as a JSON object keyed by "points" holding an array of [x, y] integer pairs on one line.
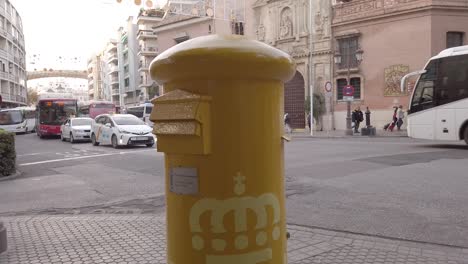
{"points": [[341, 134], [140, 239]]}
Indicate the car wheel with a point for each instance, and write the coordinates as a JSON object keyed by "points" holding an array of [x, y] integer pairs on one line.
{"points": [[61, 137], [465, 135], [93, 140], [72, 140], [114, 142], [150, 145]]}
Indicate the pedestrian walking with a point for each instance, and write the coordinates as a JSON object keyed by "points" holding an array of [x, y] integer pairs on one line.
{"points": [[309, 121], [287, 123], [357, 117], [400, 116], [390, 126]]}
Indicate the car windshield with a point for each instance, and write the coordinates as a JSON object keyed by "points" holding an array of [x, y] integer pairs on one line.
{"points": [[11, 117], [81, 122], [127, 120]]}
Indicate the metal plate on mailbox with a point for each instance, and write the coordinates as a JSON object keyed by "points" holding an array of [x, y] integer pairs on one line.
{"points": [[184, 181]]}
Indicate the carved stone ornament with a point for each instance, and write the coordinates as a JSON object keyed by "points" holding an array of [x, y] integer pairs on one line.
{"points": [[261, 32], [298, 52], [318, 23], [393, 76], [286, 24]]}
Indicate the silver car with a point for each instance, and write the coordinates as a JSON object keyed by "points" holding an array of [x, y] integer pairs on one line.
{"points": [[76, 129]]}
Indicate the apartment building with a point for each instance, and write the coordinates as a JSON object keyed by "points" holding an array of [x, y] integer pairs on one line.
{"points": [[12, 57]]}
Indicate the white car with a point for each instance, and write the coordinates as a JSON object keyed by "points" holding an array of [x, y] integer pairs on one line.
{"points": [[120, 130], [75, 129]]}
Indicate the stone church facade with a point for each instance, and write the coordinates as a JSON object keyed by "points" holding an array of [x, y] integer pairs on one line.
{"points": [[394, 36], [287, 25]]}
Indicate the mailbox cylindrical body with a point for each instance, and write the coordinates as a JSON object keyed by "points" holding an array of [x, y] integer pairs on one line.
{"points": [[220, 125]]}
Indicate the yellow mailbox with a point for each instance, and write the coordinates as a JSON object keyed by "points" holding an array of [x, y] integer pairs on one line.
{"points": [[220, 124]]}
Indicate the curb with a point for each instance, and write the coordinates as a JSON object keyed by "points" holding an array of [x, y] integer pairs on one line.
{"points": [[11, 177], [3, 238], [377, 136]]}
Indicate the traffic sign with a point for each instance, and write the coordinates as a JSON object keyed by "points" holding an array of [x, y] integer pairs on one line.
{"points": [[348, 90], [348, 98]]}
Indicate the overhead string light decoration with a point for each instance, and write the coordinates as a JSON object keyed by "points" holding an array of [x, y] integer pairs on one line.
{"points": [[148, 3], [234, 10]]}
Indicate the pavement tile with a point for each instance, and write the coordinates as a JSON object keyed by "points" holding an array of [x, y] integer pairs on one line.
{"points": [[141, 239]]}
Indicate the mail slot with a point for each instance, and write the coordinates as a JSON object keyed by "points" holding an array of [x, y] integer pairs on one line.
{"points": [[182, 122]]}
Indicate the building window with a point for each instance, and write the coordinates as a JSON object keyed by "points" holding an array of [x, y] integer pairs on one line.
{"points": [[348, 48], [355, 82], [455, 39], [238, 28]]}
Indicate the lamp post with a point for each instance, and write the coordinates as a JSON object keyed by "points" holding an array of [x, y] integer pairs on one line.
{"points": [[338, 57]]}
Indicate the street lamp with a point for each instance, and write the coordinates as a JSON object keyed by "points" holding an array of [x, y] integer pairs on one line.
{"points": [[338, 58]]}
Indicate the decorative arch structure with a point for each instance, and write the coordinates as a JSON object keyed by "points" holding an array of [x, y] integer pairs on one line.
{"points": [[57, 73]]}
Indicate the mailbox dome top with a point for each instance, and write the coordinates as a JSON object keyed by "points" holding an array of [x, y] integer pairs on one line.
{"points": [[222, 57]]}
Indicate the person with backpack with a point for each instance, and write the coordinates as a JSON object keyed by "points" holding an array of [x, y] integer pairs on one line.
{"points": [[357, 117]]}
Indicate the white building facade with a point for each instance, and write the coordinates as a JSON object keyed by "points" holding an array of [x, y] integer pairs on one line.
{"points": [[12, 57]]}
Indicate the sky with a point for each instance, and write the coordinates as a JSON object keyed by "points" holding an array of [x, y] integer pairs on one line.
{"points": [[63, 34]]}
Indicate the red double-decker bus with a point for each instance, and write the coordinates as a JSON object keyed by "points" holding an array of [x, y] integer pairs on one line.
{"points": [[51, 113]]}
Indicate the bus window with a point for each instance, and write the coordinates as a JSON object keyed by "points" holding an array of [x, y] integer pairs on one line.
{"points": [[424, 93], [11, 117], [136, 111], [84, 111], [452, 83]]}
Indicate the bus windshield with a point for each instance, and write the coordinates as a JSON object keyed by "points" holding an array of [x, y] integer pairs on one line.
{"points": [[56, 112], [107, 106], [11, 117], [136, 111]]}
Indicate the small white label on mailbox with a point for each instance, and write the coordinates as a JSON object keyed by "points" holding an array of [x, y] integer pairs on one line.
{"points": [[184, 181]]}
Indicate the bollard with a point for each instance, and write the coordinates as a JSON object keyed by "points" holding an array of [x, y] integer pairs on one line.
{"points": [[3, 238], [368, 117], [368, 130], [220, 126]]}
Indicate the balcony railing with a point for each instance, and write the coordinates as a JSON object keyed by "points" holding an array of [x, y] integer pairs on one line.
{"points": [[143, 65], [13, 97], [112, 58], [146, 34], [113, 69]]}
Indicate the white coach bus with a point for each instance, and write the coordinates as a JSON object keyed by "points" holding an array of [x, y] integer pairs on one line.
{"points": [[18, 120], [438, 108]]}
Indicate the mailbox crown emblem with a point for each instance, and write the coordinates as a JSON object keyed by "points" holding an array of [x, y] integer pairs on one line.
{"points": [[238, 207]]}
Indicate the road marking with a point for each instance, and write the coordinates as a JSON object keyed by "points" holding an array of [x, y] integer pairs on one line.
{"points": [[85, 157], [31, 154]]}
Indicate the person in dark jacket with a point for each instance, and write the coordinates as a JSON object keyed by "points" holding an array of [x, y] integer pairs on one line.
{"points": [[357, 117]]}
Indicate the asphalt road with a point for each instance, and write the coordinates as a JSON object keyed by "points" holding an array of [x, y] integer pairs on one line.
{"points": [[390, 187]]}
